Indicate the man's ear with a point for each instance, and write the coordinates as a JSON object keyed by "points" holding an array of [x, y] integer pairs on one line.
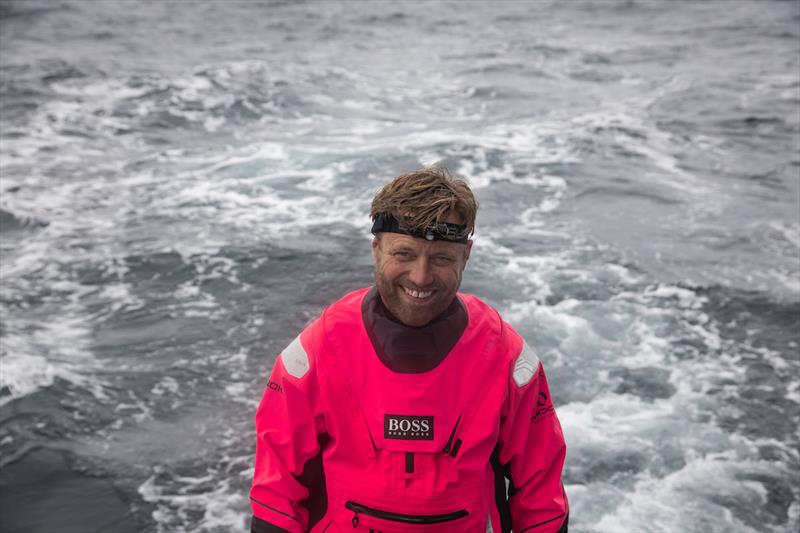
{"points": [[375, 245], [469, 249]]}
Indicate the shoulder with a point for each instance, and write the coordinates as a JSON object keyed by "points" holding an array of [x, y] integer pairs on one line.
{"points": [[514, 349], [343, 314], [481, 314], [304, 350], [526, 362], [486, 317], [347, 304]]}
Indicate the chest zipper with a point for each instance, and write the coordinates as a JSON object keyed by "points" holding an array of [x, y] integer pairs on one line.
{"points": [[400, 517]]}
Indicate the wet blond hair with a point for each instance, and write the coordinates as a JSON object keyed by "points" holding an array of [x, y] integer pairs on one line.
{"points": [[425, 197]]}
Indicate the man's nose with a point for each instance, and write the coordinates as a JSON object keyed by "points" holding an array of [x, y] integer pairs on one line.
{"points": [[420, 274]]}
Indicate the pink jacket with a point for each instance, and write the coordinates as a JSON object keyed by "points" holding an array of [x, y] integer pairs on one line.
{"points": [[410, 452]]}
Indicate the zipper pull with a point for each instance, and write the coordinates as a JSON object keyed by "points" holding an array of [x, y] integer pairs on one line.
{"points": [[354, 521]]}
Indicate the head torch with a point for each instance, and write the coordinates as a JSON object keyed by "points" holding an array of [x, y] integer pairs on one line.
{"points": [[442, 231]]}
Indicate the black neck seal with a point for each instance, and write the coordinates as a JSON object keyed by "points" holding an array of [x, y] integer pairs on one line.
{"points": [[443, 231]]}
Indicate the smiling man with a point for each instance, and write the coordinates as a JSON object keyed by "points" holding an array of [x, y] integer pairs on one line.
{"points": [[408, 406]]}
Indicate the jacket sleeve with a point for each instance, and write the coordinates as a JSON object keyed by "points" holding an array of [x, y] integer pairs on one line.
{"points": [[532, 448], [288, 422]]}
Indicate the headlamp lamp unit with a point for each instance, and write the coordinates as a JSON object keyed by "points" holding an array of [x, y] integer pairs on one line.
{"points": [[442, 231]]}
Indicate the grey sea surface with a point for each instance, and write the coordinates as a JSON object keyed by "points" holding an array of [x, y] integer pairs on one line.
{"points": [[185, 185]]}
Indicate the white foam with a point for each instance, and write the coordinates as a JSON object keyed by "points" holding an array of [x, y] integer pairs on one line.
{"points": [[793, 392], [167, 385], [685, 297], [219, 508], [695, 491], [248, 155], [639, 329], [623, 275], [104, 89], [652, 143], [23, 374], [549, 204], [535, 270], [237, 390], [136, 407], [708, 472], [57, 349], [120, 296]]}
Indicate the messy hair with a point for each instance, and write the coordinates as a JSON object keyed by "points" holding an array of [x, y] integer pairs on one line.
{"points": [[424, 197]]}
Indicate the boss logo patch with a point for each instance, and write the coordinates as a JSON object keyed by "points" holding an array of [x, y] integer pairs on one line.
{"points": [[403, 427]]}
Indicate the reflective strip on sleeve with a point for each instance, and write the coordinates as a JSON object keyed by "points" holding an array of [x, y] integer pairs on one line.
{"points": [[526, 365], [295, 358]]}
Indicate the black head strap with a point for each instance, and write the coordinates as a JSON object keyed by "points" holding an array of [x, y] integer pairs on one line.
{"points": [[443, 231]]}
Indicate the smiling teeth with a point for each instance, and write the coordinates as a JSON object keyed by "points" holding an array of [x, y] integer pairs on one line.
{"points": [[418, 294]]}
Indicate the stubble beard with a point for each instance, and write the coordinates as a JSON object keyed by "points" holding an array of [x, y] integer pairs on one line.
{"points": [[408, 314]]}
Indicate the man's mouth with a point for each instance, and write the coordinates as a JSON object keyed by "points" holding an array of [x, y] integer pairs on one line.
{"points": [[418, 295]]}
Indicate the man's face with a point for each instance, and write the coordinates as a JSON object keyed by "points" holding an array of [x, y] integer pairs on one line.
{"points": [[417, 279]]}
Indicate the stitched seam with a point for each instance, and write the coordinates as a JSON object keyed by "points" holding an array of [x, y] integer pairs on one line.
{"points": [[273, 509], [542, 523]]}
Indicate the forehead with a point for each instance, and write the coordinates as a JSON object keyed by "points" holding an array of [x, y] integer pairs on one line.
{"points": [[393, 241]]}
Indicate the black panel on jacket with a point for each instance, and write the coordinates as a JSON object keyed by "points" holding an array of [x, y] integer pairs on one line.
{"points": [[261, 526], [409, 350], [565, 525], [500, 496], [313, 478]]}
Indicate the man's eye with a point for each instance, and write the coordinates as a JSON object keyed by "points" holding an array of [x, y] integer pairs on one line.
{"points": [[402, 255], [442, 260]]}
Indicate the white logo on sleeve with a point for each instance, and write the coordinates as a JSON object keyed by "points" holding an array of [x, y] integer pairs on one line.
{"points": [[295, 358], [526, 365]]}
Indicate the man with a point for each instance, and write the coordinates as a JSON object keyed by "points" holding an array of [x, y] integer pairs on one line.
{"points": [[406, 406]]}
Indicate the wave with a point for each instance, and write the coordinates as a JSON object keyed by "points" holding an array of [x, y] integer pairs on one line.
{"points": [[619, 193], [10, 222]]}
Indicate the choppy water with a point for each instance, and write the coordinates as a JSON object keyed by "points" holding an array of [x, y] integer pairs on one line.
{"points": [[185, 185]]}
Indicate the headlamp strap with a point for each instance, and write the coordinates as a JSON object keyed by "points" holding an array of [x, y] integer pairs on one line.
{"points": [[442, 231]]}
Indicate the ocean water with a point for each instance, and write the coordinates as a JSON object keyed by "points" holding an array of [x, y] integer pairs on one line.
{"points": [[183, 186]]}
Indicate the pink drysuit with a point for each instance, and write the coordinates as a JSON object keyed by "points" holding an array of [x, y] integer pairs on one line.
{"points": [[410, 452]]}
